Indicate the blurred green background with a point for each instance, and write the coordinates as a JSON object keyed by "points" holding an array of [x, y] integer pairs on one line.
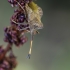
{"points": [[51, 48]]}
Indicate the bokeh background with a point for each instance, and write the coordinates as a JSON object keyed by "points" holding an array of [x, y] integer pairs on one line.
{"points": [[51, 48]]}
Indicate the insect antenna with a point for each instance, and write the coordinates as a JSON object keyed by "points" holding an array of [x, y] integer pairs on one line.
{"points": [[31, 43]]}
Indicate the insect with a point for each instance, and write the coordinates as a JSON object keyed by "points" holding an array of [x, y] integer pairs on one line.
{"points": [[34, 14]]}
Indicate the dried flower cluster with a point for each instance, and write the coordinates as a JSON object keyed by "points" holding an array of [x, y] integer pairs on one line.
{"points": [[7, 61], [26, 19]]}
